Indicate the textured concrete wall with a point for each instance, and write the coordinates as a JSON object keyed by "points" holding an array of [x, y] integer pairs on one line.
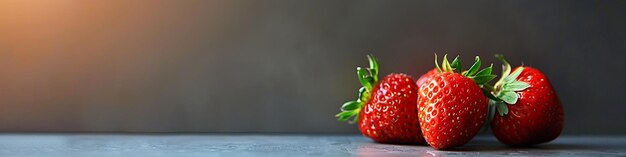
{"points": [[282, 66]]}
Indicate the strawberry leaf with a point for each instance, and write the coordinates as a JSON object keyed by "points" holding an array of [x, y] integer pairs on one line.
{"points": [[362, 94], [354, 117], [446, 64], [364, 77], [345, 115], [502, 109], [514, 75], [507, 86], [373, 67], [486, 71], [509, 97], [482, 79], [437, 63], [350, 105], [515, 86], [474, 68], [368, 78], [456, 64]]}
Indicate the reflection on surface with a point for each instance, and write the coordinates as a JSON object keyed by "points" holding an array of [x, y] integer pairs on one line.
{"points": [[387, 150], [489, 146], [138, 145]]}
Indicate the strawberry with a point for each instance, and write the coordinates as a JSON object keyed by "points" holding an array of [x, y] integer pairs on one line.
{"points": [[452, 106], [385, 110], [529, 111], [426, 76]]}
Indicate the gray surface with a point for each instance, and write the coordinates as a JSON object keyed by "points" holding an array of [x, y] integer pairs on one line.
{"points": [[283, 65], [281, 145]]}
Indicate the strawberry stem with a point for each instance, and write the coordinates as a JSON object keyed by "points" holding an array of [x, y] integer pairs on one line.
{"points": [[506, 69], [490, 113]]}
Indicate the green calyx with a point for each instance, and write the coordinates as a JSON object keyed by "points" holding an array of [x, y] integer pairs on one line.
{"points": [[505, 90], [368, 78], [480, 77]]}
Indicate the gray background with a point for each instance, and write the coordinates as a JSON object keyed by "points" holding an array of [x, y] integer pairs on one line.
{"points": [[283, 66]]}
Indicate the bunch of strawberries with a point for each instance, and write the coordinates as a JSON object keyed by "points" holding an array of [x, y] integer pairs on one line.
{"points": [[448, 106]]}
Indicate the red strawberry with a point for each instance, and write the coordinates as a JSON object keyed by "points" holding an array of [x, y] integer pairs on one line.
{"points": [[452, 106], [529, 110], [426, 76], [389, 113]]}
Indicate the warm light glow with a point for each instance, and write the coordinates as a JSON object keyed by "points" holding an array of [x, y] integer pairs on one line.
{"points": [[69, 59]]}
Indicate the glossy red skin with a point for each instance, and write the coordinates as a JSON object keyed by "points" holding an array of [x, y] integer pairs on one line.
{"points": [[536, 118], [425, 77], [390, 116], [452, 109]]}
